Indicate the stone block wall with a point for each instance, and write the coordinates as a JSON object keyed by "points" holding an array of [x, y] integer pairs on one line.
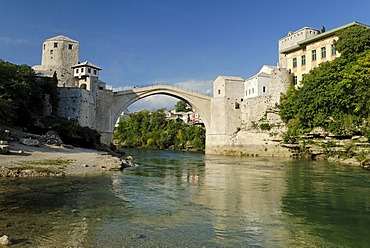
{"points": [[253, 130], [78, 105]]}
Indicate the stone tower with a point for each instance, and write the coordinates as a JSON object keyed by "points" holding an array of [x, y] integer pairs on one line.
{"points": [[59, 54]]}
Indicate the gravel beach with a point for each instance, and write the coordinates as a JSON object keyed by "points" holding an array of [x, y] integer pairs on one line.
{"points": [[47, 160]]}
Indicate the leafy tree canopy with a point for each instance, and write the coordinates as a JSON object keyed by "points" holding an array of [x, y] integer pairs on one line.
{"points": [[335, 95], [22, 94], [181, 106], [152, 130]]}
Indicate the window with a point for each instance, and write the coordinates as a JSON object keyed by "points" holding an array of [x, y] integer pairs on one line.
{"points": [[303, 58], [323, 52], [51, 52], [333, 51], [76, 70], [313, 55], [95, 72], [219, 91], [252, 90], [303, 76], [89, 70], [44, 46], [264, 89], [70, 46], [249, 91], [295, 80], [237, 105], [55, 44], [82, 70], [294, 62]]}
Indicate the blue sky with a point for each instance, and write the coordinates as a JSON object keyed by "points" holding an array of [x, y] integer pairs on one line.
{"points": [[183, 42]]}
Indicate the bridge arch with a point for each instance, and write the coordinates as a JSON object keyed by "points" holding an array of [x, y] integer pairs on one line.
{"points": [[123, 99]]}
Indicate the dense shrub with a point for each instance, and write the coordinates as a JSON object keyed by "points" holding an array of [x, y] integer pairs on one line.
{"points": [[153, 130]]}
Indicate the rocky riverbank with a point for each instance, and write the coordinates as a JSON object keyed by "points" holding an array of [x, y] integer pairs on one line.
{"points": [[321, 145], [52, 160]]}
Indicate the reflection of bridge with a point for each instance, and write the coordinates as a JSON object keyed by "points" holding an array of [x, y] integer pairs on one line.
{"points": [[108, 115]]}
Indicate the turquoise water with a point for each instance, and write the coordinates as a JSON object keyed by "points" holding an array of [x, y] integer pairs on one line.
{"points": [[177, 199]]}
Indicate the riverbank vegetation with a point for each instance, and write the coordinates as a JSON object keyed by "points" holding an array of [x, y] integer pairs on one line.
{"points": [[329, 115], [335, 95], [152, 130]]}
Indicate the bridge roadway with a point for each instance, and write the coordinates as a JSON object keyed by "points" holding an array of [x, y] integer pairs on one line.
{"points": [[123, 99]]}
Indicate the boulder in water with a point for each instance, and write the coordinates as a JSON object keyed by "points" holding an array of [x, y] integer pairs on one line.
{"points": [[4, 240]]}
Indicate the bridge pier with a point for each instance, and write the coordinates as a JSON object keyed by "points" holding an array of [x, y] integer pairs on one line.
{"points": [[106, 137]]}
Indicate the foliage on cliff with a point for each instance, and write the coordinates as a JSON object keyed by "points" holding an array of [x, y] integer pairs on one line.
{"points": [[152, 130], [335, 95], [22, 94]]}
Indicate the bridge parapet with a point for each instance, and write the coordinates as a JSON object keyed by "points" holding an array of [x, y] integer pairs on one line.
{"points": [[146, 87]]}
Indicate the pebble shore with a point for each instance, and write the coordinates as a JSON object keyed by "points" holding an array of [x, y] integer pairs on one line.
{"points": [[76, 161]]}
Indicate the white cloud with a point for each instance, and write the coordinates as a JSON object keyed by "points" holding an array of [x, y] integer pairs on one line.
{"points": [[154, 102], [199, 86], [7, 40]]}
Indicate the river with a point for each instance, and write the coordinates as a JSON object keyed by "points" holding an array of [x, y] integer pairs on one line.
{"points": [[177, 199]]}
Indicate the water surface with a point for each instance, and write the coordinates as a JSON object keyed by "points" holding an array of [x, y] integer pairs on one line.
{"points": [[177, 199]]}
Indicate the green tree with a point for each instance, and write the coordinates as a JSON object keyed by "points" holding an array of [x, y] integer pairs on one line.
{"points": [[180, 106], [153, 130], [353, 41], [335, 95]]}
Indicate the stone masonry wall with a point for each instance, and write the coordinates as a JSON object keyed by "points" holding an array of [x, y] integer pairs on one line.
{"points": [[77, 104], [256, 128]]}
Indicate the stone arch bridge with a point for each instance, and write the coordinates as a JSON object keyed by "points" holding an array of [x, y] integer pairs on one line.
{"points": [[119, 101]]}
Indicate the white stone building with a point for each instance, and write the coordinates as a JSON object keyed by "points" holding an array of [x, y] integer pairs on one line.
{"points": [[258, 85], [86, 75]]}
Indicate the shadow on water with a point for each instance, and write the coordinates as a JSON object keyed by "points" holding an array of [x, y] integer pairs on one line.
{"points": [[327, 204]]}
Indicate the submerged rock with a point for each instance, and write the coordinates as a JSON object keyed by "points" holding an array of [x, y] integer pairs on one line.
{"points": [[4, 240], [29, 142], [4, 149]]}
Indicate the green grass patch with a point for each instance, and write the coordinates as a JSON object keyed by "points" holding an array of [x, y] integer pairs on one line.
{"points": [[43, 166], [52, 162]]}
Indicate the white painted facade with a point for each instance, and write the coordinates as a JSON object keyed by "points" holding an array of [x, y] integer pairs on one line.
{"points": [[86, 75], [259, 84]]}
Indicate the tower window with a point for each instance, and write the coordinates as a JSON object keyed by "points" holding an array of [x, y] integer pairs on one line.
{"points": [[95, 72], [55, 44], [333, 51], [89, 70], [313, 55], [295, 80], [264, 89], [294, 62], [82, 70], [76, 70], [51, 52], [219, 91], [44, 46], [323, 52], [70, 46], [303, 58]]}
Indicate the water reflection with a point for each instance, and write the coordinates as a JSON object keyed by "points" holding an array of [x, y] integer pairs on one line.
{"points": [[179, 199]]}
